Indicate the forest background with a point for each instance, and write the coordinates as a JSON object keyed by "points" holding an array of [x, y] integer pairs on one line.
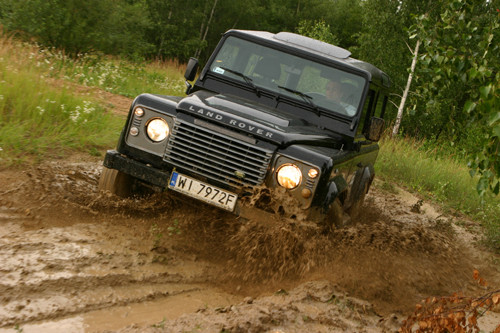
{"points": [[452, 108]]}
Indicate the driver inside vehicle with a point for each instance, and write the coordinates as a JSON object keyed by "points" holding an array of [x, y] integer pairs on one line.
{"points": [[338, 92]]}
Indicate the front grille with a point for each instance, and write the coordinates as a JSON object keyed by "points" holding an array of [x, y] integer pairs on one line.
{"points": [[217, 156]]}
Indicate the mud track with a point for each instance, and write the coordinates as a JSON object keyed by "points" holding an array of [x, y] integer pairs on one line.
{"points": [[74, 260]]}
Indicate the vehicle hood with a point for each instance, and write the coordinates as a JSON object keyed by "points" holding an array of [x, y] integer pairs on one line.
{"points": [[260, 121]]}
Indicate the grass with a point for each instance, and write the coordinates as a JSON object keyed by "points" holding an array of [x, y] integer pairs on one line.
{"points": [[115, 75], [443, 179], [40, 117]]}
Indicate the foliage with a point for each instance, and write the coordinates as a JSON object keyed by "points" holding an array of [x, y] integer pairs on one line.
{"points": [[317, 30], [385, 27], [461, 55], [167, 29], [175, 28], [79, 26], [456, 313], [383, 31]]}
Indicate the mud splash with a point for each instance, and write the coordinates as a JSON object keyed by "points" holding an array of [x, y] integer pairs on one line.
{"points": [[67, 251]]}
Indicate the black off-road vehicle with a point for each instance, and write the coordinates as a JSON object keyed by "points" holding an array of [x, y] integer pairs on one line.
{"points": [[268, 112]]}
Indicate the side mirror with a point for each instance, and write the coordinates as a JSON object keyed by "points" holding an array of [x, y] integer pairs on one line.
{"points": [[375, 129], [191, 69]]}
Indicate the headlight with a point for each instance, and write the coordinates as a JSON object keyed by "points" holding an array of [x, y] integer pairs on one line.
{"points": [[289, 176], [157, 129]]}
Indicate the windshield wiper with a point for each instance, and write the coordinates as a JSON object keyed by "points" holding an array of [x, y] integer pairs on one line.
{"points": [[247, 79], [305, 97]]}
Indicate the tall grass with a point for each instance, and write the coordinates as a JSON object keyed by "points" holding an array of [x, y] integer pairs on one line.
{"points": [[37, 118], [115, 75], [446, 180], [40, 118]]}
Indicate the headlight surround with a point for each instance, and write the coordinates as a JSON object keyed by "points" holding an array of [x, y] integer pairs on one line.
{"points": [[157, 129], [289, 176]]}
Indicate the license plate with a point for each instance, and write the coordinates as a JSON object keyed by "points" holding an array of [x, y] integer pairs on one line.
{"points": [[202, 191]]}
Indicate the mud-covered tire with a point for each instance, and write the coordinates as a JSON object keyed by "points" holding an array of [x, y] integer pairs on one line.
{"points": [[115, 182], [335, 217], [355, 209]]}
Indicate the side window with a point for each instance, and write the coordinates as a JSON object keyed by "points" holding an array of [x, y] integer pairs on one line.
{"points": [[381, 104], [366, 114]]}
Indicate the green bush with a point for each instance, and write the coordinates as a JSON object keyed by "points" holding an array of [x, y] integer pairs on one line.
{"points": [[112, 27]]}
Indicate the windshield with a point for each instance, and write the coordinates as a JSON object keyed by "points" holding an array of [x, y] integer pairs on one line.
{"points": [[285, 74]]}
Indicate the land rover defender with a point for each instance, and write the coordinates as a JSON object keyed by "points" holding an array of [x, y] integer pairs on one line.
{"points": [[268, 111]]}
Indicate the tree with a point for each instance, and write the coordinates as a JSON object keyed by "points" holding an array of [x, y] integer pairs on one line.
{"points": [[459, 79], [79, 26], [317, 30], [175, 27], [399, 116]]}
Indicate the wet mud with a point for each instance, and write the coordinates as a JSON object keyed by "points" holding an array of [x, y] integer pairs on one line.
{"points": [[73, 259]]}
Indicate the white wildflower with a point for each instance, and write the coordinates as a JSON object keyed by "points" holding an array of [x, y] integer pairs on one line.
{"points": [[40, 110], [75, 114], [87, 107]]}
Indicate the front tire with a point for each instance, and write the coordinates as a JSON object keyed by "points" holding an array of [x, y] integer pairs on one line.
{"points": [[115, 182], [354, 210], [335, 217]]}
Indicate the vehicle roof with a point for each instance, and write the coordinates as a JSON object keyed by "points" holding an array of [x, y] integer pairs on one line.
{"points": [[315, 47]]}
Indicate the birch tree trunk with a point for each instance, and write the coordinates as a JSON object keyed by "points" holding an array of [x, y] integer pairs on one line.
{"points": [[395, 130], [206, 28]]}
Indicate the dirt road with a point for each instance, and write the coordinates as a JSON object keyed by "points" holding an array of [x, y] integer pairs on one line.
{"points": [[74, 260]]}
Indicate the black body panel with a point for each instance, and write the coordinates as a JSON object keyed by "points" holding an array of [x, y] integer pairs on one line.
{"points": [[233, 135]]}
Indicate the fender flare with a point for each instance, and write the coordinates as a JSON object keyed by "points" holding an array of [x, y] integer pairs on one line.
{"points": [[362, 180], [336, 188]]}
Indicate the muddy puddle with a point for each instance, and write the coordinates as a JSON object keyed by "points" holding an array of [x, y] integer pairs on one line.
{"points": [[74, 260]]}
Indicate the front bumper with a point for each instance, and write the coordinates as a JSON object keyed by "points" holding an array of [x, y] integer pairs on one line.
{"points": [[160, 178], [139, 170]]}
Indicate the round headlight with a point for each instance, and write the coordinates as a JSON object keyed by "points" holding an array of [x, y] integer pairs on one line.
{"points": [[289, 176], [157, 129]]}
